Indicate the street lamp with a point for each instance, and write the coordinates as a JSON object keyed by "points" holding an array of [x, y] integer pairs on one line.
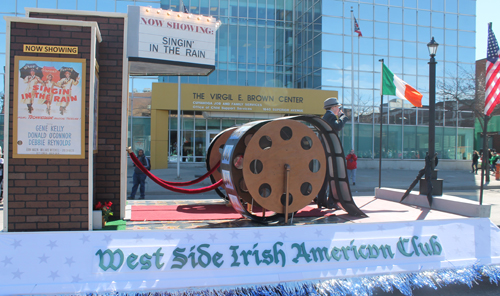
{"points": [[432, 46]]}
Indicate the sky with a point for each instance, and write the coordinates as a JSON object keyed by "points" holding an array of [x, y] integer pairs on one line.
{"points": [[486, 11]]}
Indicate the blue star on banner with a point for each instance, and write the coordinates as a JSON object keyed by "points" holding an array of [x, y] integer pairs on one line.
{"points": [[212, 237], [85, 238], [43, 258], [189, 237], [76, 278], [69, 261], [17, 274], [16, 243], [7, 260], [234, 235], [53, 275], [52, 244]]}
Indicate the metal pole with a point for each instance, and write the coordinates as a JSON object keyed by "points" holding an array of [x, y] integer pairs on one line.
{"points": [[485, 161], [432, 111], [352, 80], [178, 127], [380, 137]]}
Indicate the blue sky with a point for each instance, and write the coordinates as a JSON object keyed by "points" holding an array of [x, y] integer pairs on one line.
{"points": [[487, 11]]}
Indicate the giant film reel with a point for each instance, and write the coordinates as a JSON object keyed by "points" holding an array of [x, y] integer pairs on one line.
{"points": [[275, 145]]}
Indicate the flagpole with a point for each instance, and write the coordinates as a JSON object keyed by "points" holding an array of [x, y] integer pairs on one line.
{"points": [[352, 80], [381, 105], [485, 162]]}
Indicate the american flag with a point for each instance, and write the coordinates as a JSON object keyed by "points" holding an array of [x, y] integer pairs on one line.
{"points": [[356, 28], [492, 73]]}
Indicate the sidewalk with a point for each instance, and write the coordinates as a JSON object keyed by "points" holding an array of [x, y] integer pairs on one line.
{"points": [[366, 181]]}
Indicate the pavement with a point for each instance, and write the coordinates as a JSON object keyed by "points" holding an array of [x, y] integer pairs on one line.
{"points": [[460, 183]]}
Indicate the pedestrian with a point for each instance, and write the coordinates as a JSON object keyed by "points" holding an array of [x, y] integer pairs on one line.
{"points": [[475, 161], [139, 178], [494, 160], [352, 165], [336, 119]]}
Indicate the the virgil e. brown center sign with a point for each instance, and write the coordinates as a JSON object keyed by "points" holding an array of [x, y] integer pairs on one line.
{"points": [[183, 41]]}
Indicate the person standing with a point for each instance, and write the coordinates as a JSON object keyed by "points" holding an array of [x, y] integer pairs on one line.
{"points": [[475, 161], [66, 84], [352, 165], [334, 115], [139, 178], [30, 91], [336, 119]]}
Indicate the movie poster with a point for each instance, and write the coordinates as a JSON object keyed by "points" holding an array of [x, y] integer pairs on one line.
{"points": [[49, 97]]}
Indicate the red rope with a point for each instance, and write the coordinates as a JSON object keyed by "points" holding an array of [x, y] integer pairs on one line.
{"points": [[168, 186]]}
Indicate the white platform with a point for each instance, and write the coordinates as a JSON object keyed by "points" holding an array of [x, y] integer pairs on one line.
{"points": [[444, 203]]}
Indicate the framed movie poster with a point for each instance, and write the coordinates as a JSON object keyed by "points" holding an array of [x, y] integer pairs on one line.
{"points": [[49, 107]]}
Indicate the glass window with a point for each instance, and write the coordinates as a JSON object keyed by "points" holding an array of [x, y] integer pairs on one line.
{"points": [[410, 66], [392, 142], [102, 5], [381, 13], [381, 47], [410, 49], [410, 33], [423, 4], [438, 5], [331, 24], [366, 81], [21, 4], [366, 45], [410, 142], [438, 19], [396, 65], [121, 6], [333, 8], [466, 55], [365, 11], [424, 34], [332, 42], [364, 136], [366, 62], [410, 16], [332, 60], [451, 6], [438, 35], [395, 48], [451, 21], [395, 31], [466, 39], [466, 22], [467, 7], [395, 15], [450, 37], [47, 4], [381, 30], [332, 77], [450, 53], [424, 18]]}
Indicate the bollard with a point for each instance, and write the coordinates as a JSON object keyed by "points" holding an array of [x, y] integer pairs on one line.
{"points": [[497, 172]]}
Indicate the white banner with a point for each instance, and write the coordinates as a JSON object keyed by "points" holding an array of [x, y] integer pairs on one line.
{"points": [[140, 261]]}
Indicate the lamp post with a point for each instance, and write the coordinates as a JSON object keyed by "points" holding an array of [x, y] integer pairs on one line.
{"points": [[432, 46]]}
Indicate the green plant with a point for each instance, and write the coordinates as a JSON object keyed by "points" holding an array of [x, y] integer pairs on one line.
{"points": [[105, 208]]}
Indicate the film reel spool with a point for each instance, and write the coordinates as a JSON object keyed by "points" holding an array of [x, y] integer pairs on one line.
{"points": [[214, 156], [275, 144]]}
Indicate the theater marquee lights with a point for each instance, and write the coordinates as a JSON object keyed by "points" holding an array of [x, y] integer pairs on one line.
{"points": [[183, 41]]}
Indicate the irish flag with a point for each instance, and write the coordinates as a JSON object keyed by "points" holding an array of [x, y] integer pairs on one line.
{"points": [[393, 85]]}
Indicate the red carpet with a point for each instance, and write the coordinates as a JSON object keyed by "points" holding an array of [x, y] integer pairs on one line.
{"points": [[204, 212]]}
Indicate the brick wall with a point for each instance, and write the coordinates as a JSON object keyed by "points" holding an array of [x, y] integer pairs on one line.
{"points": [[60, 200], [48, 194]]}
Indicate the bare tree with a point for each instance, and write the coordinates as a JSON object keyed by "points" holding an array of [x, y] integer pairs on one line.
{"points": [[468, 90]]}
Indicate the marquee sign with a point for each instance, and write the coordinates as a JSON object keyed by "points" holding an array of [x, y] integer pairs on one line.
{"points": [[142, 261], [224, 98], [184, 41]]}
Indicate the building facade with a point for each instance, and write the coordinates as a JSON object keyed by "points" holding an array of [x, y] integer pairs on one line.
{"points": [[312, 44]]}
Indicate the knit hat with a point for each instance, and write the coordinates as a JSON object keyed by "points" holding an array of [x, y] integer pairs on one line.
{"points": [[330, 102]]}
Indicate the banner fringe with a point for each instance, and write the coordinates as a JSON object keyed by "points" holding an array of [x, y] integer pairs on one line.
{"points": [[360, 286]]}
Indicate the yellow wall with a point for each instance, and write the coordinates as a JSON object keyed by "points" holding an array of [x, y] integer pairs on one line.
{"points": [[159, 139]]}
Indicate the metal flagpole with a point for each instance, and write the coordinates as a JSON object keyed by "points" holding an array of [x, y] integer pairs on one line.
{"points": [[485, 161], [380, 137], [178, 127], [352, 80]]}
